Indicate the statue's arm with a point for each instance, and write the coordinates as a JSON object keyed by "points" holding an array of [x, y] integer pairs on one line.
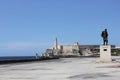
{"points": [[102, 34], [107, 34]]}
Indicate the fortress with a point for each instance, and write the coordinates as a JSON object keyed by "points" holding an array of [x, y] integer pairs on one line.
{"points": [[73, 50]]}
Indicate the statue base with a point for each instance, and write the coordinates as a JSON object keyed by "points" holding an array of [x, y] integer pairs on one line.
{"points": [[105, 53]]}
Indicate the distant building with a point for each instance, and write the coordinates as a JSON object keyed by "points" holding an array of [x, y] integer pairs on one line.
{"points": [[70, 50], [48, 53]]}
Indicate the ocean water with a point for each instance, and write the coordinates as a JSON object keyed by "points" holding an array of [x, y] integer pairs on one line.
{"points": [[16, 57]]}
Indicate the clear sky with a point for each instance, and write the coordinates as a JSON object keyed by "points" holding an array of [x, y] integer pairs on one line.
{"points": [[30, 26]]}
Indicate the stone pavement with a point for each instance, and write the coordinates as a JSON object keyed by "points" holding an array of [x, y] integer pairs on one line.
{"points": [[61, 69]]}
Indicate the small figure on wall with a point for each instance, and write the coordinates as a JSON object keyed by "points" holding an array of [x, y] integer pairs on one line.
{"points": [[104, 35]]}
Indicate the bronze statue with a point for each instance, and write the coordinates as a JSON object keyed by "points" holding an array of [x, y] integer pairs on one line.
{"points": [[105, 37]]}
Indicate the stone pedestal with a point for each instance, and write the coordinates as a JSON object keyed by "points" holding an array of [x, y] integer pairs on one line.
{"points": [[105, 53]]}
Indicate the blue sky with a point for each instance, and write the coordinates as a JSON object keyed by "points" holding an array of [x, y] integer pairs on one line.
{"points": [[30, 26]]}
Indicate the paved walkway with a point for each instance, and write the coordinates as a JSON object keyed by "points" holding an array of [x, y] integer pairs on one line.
{"points": [[61, 69]]}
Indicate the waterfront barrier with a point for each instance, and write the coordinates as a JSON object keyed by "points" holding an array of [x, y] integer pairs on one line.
{"points": [[26, 60]]}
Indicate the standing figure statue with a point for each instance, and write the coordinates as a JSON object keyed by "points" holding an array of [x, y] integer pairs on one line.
{"points": [[105, 37]]}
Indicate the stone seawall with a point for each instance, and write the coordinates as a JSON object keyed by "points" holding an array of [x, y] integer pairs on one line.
{"points": [[26, 60]]}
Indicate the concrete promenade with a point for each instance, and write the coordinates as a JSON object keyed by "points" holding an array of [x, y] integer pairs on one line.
{"points": [[61, 69]]}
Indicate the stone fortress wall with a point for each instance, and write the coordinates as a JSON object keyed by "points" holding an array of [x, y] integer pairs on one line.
{"points": [[73, 50]]}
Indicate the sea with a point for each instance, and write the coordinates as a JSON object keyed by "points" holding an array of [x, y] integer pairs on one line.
{"points": [[16, 57]]}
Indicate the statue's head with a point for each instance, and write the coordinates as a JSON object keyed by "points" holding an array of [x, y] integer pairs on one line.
{"points": [[105, 29]]}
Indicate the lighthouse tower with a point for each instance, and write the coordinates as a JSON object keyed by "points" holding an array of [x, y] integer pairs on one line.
{"points": [[56, 44], [55, 49]]}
